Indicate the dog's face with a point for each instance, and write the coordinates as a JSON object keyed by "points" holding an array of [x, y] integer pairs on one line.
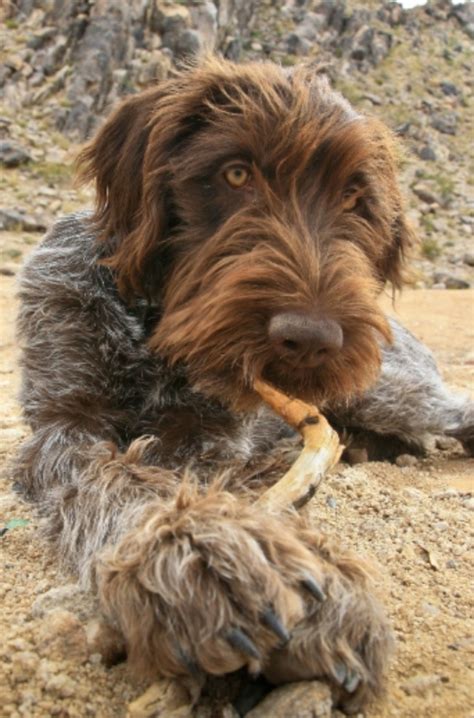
{"points": [[263, 215]]}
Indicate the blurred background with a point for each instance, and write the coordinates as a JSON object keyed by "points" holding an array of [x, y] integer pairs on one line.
{"points": [[65, 63]]}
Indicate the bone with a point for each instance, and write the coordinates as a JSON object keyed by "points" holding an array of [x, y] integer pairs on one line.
{"points": [[321, 450]]}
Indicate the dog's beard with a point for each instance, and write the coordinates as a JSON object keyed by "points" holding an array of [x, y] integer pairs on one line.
{"points": [[349, 373], [216, 314]]}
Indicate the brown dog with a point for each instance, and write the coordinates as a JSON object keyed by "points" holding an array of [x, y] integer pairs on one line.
{"points": [[246, 220], [258, 194]]}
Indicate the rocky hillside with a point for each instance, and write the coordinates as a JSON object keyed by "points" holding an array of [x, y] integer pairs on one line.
{"points": [[63, 64]]}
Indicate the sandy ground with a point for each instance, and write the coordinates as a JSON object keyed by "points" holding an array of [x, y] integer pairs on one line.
{"points": [[416, 522]]}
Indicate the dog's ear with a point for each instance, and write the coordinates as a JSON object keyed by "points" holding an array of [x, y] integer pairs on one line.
{"points": [[395, 229], [113, 160], [128, 161], [392, 267]]}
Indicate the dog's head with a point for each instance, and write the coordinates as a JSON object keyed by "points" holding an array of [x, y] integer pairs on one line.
{"points": [[262, 214]]}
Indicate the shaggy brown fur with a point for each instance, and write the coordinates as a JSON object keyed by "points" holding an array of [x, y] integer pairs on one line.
{"points": [[318, 229], [161, 327]]}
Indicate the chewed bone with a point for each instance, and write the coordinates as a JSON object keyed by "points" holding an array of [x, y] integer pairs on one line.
{"points": [[321, 450]]}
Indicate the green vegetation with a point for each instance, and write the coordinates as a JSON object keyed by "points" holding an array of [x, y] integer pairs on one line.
{"points": [[426, 221], [289, 60], [430, 248], [52, 172], [10, 253], [349, 90], [29, 239], [445, 185]]}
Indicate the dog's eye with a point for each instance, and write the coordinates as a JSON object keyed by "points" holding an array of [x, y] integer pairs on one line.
{"points": [[351, 197], [237, 176]]}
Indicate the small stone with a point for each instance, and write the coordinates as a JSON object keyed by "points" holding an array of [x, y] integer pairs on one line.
{"points": [[298, 45], [298, 700], [446, 443], [403, 129], [374, 99], [449, 88], [331, 502], [70, 598], [469, 259], [427, 153], [469, 503], [439, 277], [189, 42], [41, 37], [11, 219], [429, 609], [445, 123], [170, 19], [6, 697], [61, 686], [424, 193], [406, 460], [95, 659], [452, 282], [421, 684], [28, 699], [62, 637], [446, 494], [42, 586], [12, 155], [46, 670], [19, 644], [463, 644], [413, 493], [24, 665]]}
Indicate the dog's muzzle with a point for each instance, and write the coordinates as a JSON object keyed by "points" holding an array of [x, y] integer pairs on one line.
{"points": [[303, 341]]}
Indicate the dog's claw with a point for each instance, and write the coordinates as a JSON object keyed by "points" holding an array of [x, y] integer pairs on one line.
{"points": [[239, 640], [340, 673], [188, 662], [314, 588], [271, 620], [346, 678], [352, 682]]}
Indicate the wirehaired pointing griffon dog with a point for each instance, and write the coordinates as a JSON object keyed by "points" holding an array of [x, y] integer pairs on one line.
{"points": [[247, 219]]}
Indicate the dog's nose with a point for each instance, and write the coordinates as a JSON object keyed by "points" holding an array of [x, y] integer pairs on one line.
{"points": [[302, 340]]}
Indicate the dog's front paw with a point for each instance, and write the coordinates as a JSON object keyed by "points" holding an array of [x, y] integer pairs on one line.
{"points": [[346, 638], [212, 584]]}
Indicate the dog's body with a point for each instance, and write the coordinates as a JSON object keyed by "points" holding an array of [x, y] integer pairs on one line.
{"points": [[143, 330]]}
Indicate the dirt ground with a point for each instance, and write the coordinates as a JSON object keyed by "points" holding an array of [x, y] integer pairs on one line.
{"points": [[415, 521]]}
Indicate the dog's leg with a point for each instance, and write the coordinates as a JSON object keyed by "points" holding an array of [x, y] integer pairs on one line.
{"points": [[211, 582], [201, 580], [88, 492], [410, 400]]}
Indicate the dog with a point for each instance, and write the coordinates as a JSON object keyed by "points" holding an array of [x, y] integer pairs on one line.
{"points": [[247, 219]]}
